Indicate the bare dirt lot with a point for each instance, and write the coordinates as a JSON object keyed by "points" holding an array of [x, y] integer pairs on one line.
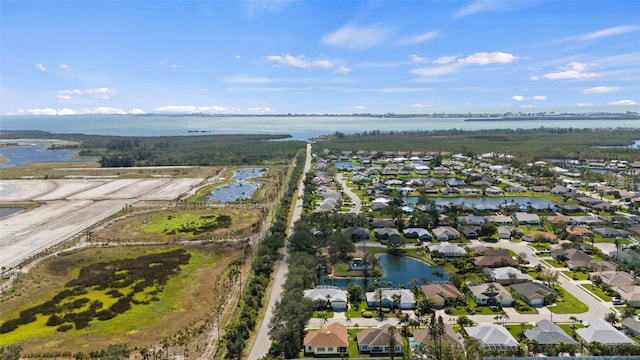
{"points": [[70, 206]]}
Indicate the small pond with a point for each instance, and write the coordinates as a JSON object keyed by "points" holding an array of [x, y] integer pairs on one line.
{"points": [[19, 155], [4, 212], [398, 270], [239, 190]]}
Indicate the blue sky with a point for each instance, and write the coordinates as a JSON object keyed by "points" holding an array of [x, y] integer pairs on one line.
{"points": [[97, 57]]}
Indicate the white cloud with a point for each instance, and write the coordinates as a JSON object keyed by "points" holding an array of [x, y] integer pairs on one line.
{"points": [[64, 66], [342, 70], [418, 59], [49, 111], [357, 37], [573, 70], [442, 60], [360, 107], [237, 56], [452, 64], [418, 39], [612, 31], [260, 110], [204, 90], [136, 111], [99, 93], [300, 61], [103, 110], [174, 66], [189, 109], [623, 102], [41, 67], [485, 58], [584, 104], [491, 5], [437, 70], [419, 106], [540, 97], [526, 106], [518, 98], [601, 90]]}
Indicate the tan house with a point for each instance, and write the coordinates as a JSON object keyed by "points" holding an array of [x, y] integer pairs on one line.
{"points": [[615, 278], [332, 340], [378, 341], [630, 294], [442, 294]]}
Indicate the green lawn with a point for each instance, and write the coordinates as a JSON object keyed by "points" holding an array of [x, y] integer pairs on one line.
{"points": [[567, 304], [568, 328], [554, 263], [579, 275], [477, 310], [597, 291], [353, 313], [540, 246], [316, 314], [516, 329]]}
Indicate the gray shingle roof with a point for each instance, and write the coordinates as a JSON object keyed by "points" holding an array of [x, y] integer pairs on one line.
{"points": [[602, 332], [547, 333]]}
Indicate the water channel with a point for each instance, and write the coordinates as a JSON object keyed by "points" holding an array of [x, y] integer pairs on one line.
{"points": [[240, 189]]}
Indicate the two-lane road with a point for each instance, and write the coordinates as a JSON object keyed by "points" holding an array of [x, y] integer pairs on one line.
{"points": [[263, 342]]}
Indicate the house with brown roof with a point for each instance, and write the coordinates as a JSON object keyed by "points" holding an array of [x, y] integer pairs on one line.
{"points": [[576, 259], [330, 341], [615, 278], [495, 260], [442, 294], [630, 294], [377, 340]]}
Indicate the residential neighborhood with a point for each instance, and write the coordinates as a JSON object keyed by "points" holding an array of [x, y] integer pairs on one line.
{"points": [[519, 264]]}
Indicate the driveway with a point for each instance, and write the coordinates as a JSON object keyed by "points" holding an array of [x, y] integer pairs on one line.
{"points": [[357, 203]]}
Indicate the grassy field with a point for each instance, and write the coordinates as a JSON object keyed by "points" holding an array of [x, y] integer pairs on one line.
{"points": [[579, 275], [180, 305], [516, 329], [166, 225]]}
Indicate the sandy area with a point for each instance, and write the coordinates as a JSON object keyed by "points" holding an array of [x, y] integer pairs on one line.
{"points": [[69, 207]]}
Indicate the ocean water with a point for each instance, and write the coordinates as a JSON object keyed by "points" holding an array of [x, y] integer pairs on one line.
{"points": [[299, 127]]}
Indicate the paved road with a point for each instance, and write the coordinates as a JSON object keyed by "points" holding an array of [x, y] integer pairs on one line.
{"points": [[263, 342], [357, 203]]}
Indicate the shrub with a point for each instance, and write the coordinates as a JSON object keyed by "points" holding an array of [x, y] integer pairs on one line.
{"points": [[65, 327], [367, 314]]}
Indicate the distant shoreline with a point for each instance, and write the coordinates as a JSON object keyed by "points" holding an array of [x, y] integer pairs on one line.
{"points": [[554, 118]]}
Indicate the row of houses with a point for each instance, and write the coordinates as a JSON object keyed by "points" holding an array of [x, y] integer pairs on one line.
{"points": [[334, 339]]}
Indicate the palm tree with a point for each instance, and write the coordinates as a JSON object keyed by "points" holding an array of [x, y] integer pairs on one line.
{"points": [[378, 296], [611, 318], [397, 299]]}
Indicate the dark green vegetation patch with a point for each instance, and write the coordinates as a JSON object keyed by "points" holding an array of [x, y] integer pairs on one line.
{"points": [[104, 290], [202, 150]]}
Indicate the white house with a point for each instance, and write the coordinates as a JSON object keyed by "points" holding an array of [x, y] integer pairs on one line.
{"points": [[336, 296], [407, 299]]}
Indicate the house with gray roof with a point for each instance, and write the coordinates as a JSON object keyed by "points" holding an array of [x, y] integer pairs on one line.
{"points": [[535, 293], [626, 256], [499, 219], [445, 233], [491, 294], [632, 326], [356, 233], [524, 218], [547, 332], [615, 278], [417, 233], [407, 299], [336, 296], [493, 337], [507, 275], [603, 332], [387, 233], [630, 294], [448, 250]]}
